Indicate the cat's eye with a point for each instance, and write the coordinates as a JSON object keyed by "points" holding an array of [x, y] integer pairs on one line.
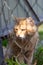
{"points": [[22, 29], [16, 29]]}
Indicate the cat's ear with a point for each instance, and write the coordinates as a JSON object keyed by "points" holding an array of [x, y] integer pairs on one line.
{"points": [[29, 19], [16, 19], [19, 19]]}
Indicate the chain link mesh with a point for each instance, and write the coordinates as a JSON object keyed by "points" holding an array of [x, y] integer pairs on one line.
{"points": [[8, 16]]}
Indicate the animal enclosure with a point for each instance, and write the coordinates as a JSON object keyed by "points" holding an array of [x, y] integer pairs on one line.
{"points": [[20, 9]]}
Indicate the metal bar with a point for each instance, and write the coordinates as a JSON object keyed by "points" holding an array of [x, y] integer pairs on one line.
{"points": [[1, 54], [39, 23], [24, 9], [32, 11], [0, 25], [4, 14]]}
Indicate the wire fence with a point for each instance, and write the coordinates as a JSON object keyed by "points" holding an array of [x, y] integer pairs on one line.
{"points": [[7, 14], [8, 10], [5, 4]]}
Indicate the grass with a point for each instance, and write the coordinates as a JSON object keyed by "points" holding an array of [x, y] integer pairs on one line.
{"points": [[38, 56], [12, 62], [40, 30], [4, 42]]}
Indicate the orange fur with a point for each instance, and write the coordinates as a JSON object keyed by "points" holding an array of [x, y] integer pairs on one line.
{"points": [[24, 27], [26, 36]]}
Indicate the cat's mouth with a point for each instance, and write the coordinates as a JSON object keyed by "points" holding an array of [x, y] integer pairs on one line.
{"points": [[21, 36], [25, 36]]}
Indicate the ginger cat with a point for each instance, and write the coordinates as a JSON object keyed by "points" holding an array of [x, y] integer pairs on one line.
{"points": [[26, 35], [25, 27]]}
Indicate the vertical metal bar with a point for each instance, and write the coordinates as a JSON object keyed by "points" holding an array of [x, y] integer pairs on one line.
{"points": [[1, 49], [0, 24], [1, 53], [4, 14]]}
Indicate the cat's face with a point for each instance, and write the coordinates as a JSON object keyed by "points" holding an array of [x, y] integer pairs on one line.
{"points": [[25, 27], [20, 29]]}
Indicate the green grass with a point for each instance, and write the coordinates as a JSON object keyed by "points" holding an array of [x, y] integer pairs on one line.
{"points": [[38, 55], [4, 42], [41, 35], [40, 30], [12, 62]]}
